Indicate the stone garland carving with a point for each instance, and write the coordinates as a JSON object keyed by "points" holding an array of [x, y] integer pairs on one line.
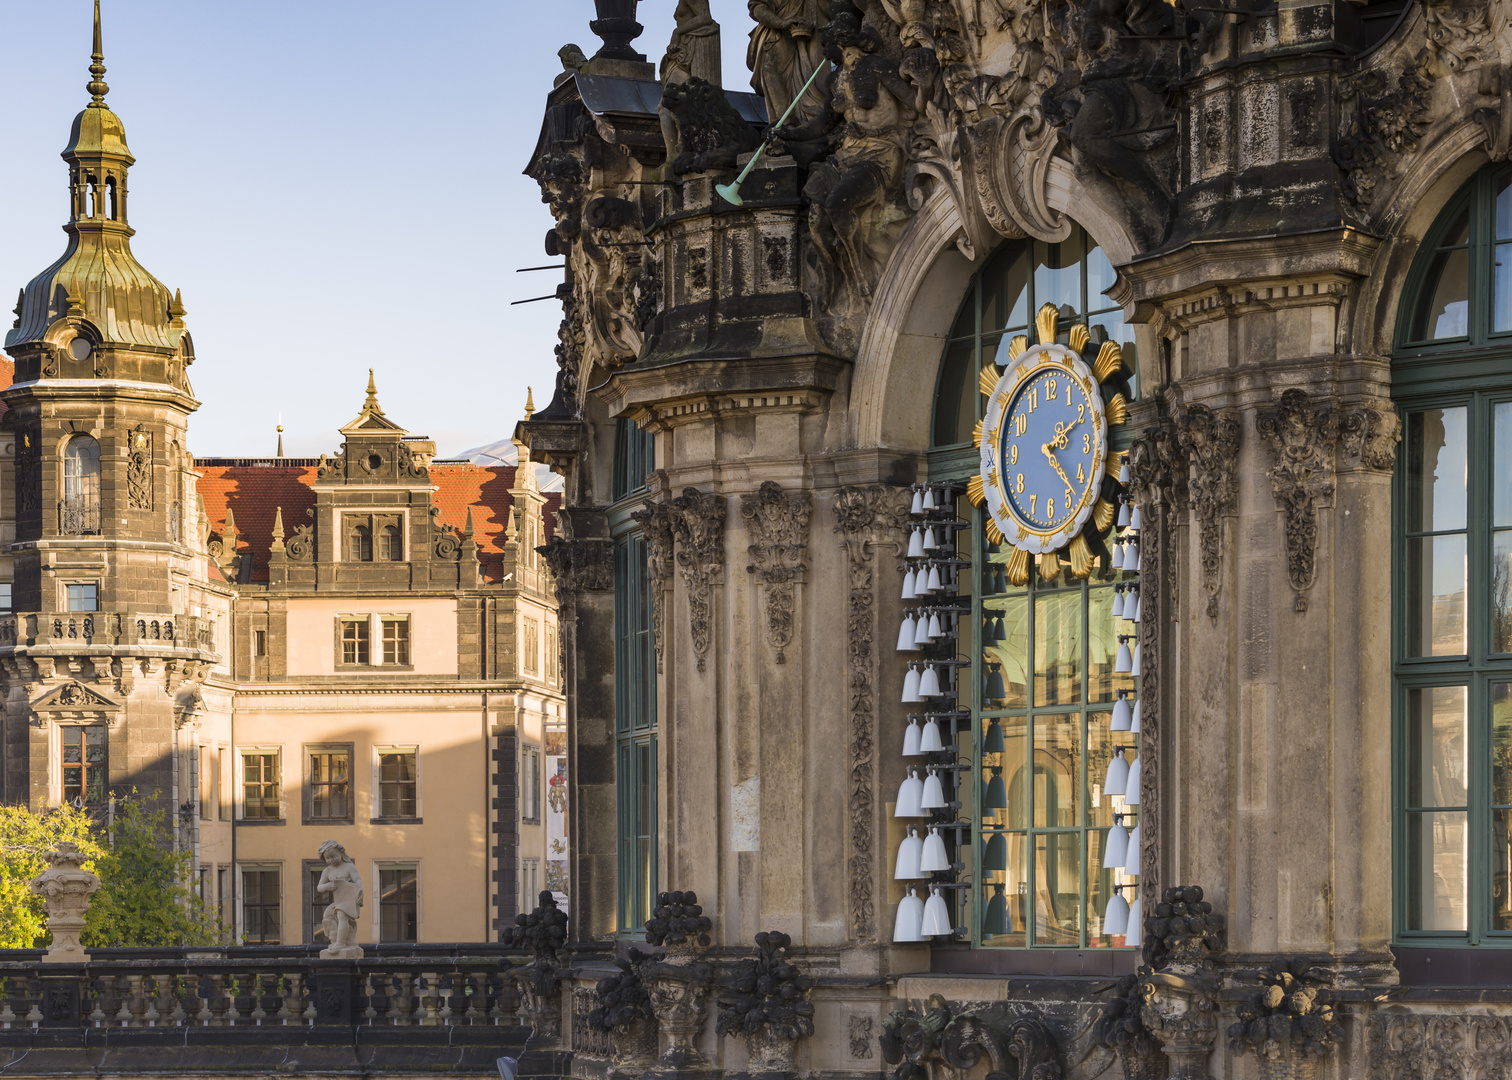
{"points": [[1289, 1023], [139, 469], [861, 1038], [1211, 443], [1369, 437], [1390, 116], [1014, 1043], [656, 526], [766, 1002], [698, 526], [1406, 1046], [28, 468], [864, 518], [1302, 435], [579, 565], [543, 932], [778, 527]]}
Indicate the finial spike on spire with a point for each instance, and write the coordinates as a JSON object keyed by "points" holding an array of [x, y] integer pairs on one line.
{"points": [[467, 530], [371, 404], [230, 520], [280, 440], [529, 402], [278, 528], [97, 87]]}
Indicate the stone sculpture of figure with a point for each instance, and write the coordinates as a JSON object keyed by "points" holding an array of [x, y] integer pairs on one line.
{"points": [[693, 51], [343, 884], [785, 50]]}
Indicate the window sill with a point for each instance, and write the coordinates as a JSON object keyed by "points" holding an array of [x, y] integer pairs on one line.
{"points": [[327, 821], [396, 821], [369, 669], [261, 821], [530, 821], [1102, 963], [1464, 965]]}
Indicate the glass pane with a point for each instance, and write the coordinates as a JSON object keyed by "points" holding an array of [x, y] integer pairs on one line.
{"points": [[1502, 295], [1504, 210], [1057, 893], [1009, 764], [1501, 498], [955, 407], [1100, 884], [1005, 290], [1436, 596], [1102, 744], [1501, 744], [1005, 672], [1057, 647], [1501, 592], [1437, 462], [1437, 869], [1501, 864], [1057, 278], [1057, 770], [1102, 644], [1445, 310], [1002, 900], [1437, 747], [1100, 278]]}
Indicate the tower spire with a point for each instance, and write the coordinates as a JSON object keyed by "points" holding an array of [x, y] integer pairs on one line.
{"points": [[371, 404], [97, 87]]}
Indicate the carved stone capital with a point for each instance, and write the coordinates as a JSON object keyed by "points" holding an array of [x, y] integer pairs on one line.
{"points": [[1368, 437], [1211, 443], [778, 525], [579, 565], [1302, 433]]}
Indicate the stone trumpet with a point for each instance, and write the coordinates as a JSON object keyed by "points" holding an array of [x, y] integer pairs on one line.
{"points": [[730, 193]]}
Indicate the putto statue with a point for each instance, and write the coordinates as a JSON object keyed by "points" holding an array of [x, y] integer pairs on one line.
{"points": [[341, 881]]}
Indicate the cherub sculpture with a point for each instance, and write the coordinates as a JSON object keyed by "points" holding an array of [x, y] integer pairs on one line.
{"points": [[343, 884]]}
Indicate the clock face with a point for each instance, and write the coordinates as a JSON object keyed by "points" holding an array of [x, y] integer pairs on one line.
{"points": [[1043, 448]]}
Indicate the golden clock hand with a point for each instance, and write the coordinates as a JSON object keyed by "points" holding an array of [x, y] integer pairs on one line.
{"points": [[1057, 465]]}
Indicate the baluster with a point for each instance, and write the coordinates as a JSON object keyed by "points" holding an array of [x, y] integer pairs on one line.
{"points": [[430, 1000], [495, 985], [204, 990], [151, 991], [475, 994], [372, 985], [98, 991], [233, 991], [123, 1001], [7, 1014], [446, 986], [177, 993], [259, 1014], [309, 1015], [288, 1005], [34, 999], [395, 1017], [219, 999]]}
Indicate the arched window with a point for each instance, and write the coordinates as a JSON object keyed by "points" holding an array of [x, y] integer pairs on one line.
{"points": [[1041, 687], [390, 544], [110, 197], [1452, 601], [361, 544], [80, 508]]}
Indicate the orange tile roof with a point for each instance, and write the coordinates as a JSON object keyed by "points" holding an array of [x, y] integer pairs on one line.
{"points": [[253, 492], [7, 376]]}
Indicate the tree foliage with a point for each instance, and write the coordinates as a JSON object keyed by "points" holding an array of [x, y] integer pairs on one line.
{"points": [[25, 839]]}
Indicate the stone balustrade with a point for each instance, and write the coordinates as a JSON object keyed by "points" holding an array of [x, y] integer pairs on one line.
{"points": [[75, 630]]}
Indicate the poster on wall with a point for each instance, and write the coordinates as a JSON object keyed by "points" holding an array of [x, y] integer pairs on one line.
{"points": [[556, 817]]}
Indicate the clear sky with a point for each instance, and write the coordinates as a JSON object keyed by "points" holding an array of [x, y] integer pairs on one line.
{"points": [[334, 185]]}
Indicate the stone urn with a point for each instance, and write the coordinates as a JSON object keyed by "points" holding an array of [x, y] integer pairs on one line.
{"points": [[770, 1050], [635, 1043], [65, 889], [1282, 1061], [617, 26], [1180, 1011], [679, 993]]}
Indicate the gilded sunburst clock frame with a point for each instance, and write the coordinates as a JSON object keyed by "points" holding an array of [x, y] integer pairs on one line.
{"points": [[990, 487]]}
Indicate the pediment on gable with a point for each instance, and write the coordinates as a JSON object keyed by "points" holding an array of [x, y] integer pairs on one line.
{"points": [[74, 697]]}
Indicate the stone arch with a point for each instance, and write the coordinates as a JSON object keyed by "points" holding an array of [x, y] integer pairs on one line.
{"points": [[916, 301]]}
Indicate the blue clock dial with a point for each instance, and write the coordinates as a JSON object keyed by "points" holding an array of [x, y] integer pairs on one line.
{"points": [[1048, 447]]}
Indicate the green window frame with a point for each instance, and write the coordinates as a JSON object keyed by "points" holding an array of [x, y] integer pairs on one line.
{"points": [[1059, 638], [1452, 578]]}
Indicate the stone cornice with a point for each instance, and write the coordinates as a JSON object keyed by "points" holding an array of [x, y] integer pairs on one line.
{"points": [[673, 394]]}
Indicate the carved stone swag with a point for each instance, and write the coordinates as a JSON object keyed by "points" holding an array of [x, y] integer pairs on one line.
{"points": [[778, 524], [1210, 442], [687, 531]]}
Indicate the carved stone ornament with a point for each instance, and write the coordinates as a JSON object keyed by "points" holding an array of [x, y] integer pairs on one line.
{"points": [[1406, 1046], [865, 518], [139, 469], [861, 1038], [778, 528], [1302, 435], [579, 565], [679, 993], [656, 525], [1014, 1041], [1179, 987], [1211, 443], [698, 526], [65, 889], [1369, 436], [28, 468]]}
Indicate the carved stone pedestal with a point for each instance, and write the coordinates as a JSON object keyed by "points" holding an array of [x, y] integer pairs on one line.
{"points": [[65, 890], [679, 994], [1179, 1011], [635, 1046], [772, 1053]]}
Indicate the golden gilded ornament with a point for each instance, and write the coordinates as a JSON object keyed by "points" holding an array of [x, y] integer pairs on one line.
{"points": [[976, 491], [1109, 361], [976, 435], [1046, 322], [1079, 338], [1102, 515], [1081, 556], [994, 534], [1018, 567], [1049, 566], [988, 377], [1017, 346], [1118, 411]]}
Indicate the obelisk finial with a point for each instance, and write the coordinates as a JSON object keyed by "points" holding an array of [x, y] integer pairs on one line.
{"points": [[97, 87]]}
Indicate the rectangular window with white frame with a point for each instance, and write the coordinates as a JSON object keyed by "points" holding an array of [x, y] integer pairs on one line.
{"points": [[530, 646], [396, 784], [356, 640], [261, 795], [83, 762], [373, 640], [396, 640], [328, 784]]}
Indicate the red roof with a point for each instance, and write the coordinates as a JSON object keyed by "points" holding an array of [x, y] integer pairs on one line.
{"points": [[7, 376], [254, 492]]}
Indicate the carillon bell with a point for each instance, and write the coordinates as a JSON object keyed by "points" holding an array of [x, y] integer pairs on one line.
{"points": [[995, 688], [1134, 723], [929, 538], [918, 501], [1134, 663], [1116, 914], [929, 682], [1116, 846], [921, 631], [1120, 720], [932, 797], [910, 851], [912, 735], [1135, 932], [911, 685], [995, 853], [1131, 785], [1131, 604], [910, 919], [1131, 854], [1134, 522], [996, 795], [909, 793], [916, 544], [910, 585], [998, 632], [992, 742], [934, 625], [936, 917], [929, 741], [907, 633], [929, 499], [1118, 601], [1118, 550], [995, 920], [934, 579], [1123, 513], [1123, 663], [933, 858], [1114, 782], [1123, 470], [1131, 557], [1138, 605]]}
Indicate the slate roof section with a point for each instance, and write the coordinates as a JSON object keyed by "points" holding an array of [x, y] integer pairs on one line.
{"points": [[254, 492]]}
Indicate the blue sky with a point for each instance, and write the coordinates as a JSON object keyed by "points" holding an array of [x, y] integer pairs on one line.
{"points": [[334, 185]]}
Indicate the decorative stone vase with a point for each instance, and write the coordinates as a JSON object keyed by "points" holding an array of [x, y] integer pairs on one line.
{"points": [[635, 1043], [65, 889], [1180, 1011], [544, 1010], [770, 1050], [678, 996], [617, 26]]}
